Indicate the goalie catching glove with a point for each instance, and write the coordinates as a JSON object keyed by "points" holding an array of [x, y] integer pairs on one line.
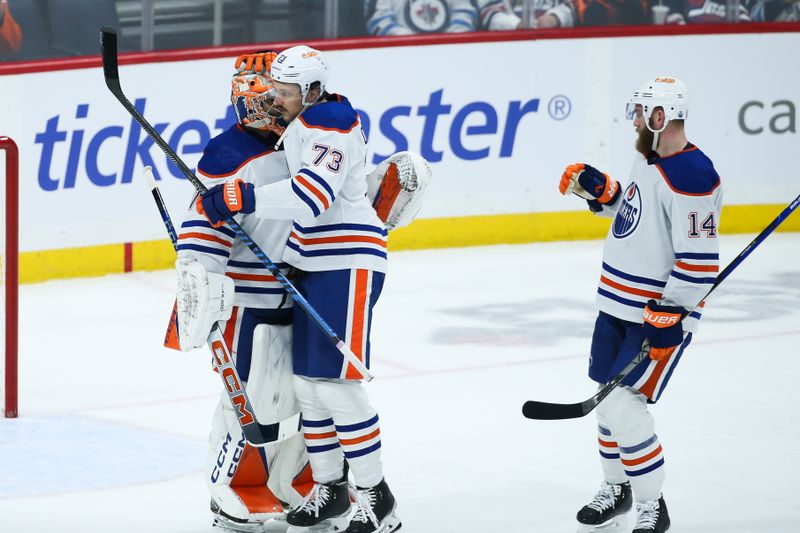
{"points": [[397, 188], [203, 299], [587, 182]]}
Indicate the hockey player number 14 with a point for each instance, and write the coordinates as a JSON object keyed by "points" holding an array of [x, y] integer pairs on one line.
{"points": [[708, 226]]}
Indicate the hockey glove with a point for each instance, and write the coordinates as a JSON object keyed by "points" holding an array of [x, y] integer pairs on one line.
{"points": [[662, 327], [259, 63], [587, 182], [221, 202]]}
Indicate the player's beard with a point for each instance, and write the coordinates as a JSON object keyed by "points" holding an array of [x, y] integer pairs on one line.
{"points": [[644, 141]]}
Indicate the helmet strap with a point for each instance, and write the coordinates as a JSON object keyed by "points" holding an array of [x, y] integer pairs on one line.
{"points": [[656, 133]]}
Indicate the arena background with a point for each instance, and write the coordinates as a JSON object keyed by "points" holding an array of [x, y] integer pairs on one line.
{"points": [[498, 115]]}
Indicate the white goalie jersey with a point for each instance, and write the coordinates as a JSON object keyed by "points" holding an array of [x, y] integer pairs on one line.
{"points": [[663, 242], [239, 154]]}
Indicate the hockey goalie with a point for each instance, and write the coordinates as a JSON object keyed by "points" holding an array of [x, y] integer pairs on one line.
{"points": [[220, 281]]}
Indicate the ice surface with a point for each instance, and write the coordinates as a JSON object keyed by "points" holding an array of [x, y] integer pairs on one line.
{"points": [[112, 427]]}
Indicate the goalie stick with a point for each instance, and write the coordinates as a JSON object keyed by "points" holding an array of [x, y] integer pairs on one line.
{"points": [[256, 433], [108, 49], [562, 411]]}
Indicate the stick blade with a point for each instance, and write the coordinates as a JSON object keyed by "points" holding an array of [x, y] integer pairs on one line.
{"points": [[554, 411], [108, 50]]}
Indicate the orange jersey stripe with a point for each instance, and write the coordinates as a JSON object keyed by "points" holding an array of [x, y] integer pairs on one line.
{"points": [[315, 436], [357, 330], [313, 189], [631, 290], [697, 268], [649, 388], [644, 459], [607, 443], [359, 440], [343, 238], [204, 237]]}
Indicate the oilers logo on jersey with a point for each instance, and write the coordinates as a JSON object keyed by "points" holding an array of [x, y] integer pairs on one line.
{"points": [[629, 213]]}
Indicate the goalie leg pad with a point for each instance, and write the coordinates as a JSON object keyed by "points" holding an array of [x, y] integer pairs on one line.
{"points": [[203, 299], [250, 483]]}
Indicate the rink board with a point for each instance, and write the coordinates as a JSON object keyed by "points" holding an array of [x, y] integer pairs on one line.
{"points": [[497, 119]]}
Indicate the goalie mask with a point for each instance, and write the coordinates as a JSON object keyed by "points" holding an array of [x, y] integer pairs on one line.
{"points": [[252, 99]]}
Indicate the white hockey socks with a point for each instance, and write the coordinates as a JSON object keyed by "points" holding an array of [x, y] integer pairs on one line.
{"points": [[625, 416], [339, 423]]}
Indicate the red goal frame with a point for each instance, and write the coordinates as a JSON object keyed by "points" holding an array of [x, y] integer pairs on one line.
{"points": [[11, 275]]}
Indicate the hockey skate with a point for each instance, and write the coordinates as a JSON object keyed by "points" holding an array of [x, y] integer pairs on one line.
{"points": [[375, 511], [607, 512], [324, 510], [226, 522], [652, 517]]}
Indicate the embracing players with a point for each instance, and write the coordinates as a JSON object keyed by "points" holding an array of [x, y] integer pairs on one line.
{"points": [[337, 244]]}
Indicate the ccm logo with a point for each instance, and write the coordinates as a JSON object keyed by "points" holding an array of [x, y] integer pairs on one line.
{"points": [[235, 391], [660, 320]]}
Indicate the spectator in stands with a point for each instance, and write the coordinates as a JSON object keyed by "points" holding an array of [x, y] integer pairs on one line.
{"points": [[10, 34], [775, 11], [406, 17], [612, 12], [701, 11], [542, 13]]}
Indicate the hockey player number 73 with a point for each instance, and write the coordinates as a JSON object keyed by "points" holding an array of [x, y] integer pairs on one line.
{"points": [[336, 157]]}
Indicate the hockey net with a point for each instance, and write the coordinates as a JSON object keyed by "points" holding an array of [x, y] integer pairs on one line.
{"points": [[9, 277]]}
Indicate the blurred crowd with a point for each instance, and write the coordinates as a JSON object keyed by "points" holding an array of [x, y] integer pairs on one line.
{"points": [[35, 29], [403, 17]]}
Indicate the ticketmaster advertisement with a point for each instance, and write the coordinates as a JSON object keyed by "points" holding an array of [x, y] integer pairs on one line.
{"points": [[498, 122]]}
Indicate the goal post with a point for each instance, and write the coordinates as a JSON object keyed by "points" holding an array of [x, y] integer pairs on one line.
{"points": [[9, 277]]}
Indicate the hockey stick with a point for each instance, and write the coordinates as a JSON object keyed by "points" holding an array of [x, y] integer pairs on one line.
{"points": [[108, 49], [256, 433], [561, 411]]}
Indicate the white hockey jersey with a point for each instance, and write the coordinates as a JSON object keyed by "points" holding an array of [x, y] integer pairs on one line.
{"points": [[335, 226], [239, 154], [663, 241]]}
